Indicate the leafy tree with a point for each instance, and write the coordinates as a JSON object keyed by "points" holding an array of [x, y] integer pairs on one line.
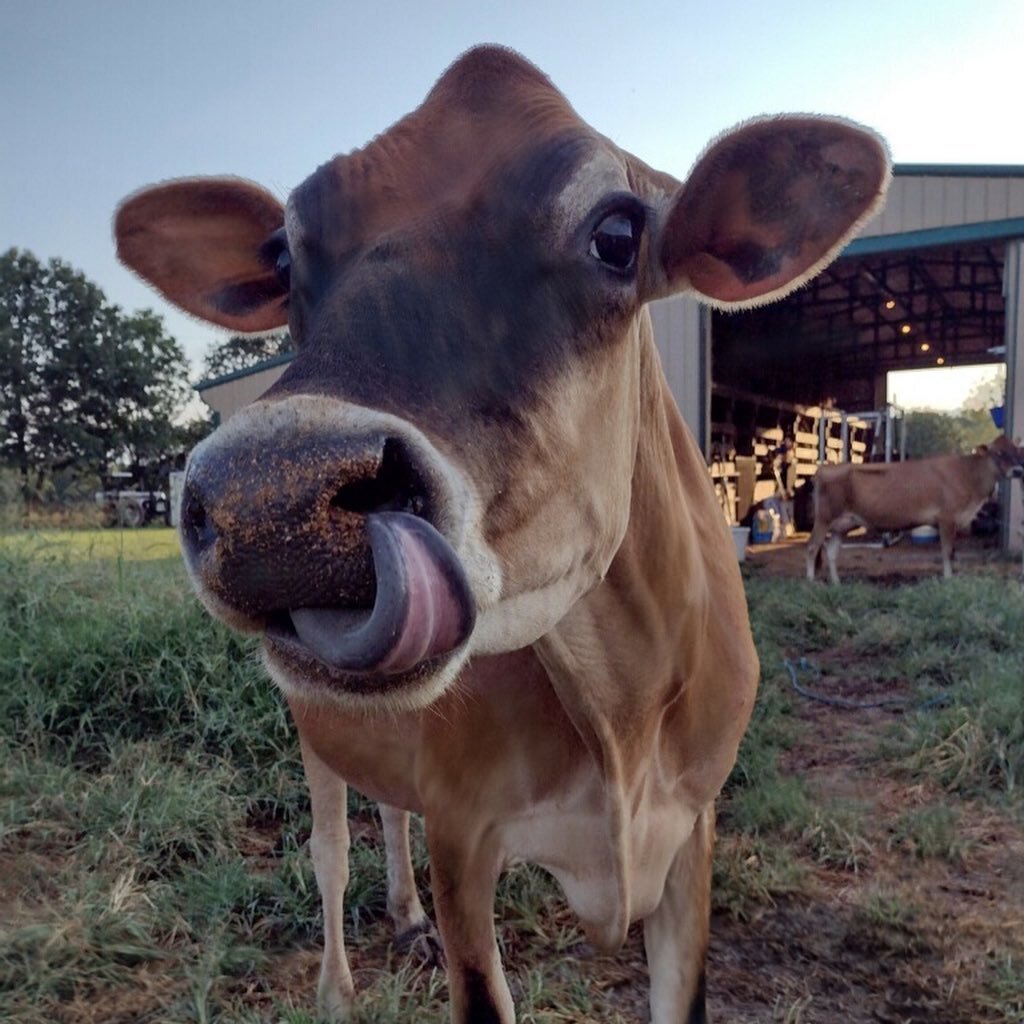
{"points": [[242, 351], [81, 383], [976, 427], [931, 433], [989, 392], [945, 433]]}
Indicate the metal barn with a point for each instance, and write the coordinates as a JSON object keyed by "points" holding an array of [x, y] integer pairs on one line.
{"points": [[936, 278]]}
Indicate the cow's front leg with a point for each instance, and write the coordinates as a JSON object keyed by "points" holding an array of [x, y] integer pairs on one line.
{"points": [[328, 845], [814, 543], [676, 933], [413, 929], [464, 869]]}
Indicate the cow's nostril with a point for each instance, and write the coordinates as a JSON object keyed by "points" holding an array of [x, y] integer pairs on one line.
{"points": [[197, 530], [396, 487]]}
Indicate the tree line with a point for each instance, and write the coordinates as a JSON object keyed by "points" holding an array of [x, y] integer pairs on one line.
{"points": [[86, 387]]}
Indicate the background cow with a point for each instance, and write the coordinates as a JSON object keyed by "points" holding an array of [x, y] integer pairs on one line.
{"points": [[944, 491], [485, 557]]}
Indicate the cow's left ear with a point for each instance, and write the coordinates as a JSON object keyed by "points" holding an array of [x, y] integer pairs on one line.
{"points": [[768, 205]]}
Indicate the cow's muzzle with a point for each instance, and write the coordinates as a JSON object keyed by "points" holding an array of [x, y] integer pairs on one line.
{"points": [[327, 545]]}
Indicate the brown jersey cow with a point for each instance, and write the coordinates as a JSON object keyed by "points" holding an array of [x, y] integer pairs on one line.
{"points": [[944, 491], [482, 550]]}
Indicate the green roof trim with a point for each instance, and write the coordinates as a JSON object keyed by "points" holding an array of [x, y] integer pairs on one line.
{"points": [[247, 371], [956, 234], [959, 170]]}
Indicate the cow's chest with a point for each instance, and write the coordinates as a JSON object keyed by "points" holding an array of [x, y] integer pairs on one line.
{"points": [[609, 873]]}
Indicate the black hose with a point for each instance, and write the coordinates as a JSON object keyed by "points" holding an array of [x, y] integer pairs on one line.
{"points": [[803, 665]]}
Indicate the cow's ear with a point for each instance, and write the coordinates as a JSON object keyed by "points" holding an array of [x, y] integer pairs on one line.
{"points": [[205, 243], [768, 205]]}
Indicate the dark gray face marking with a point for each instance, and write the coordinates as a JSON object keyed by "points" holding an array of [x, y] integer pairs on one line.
{"points": [[458, 315]]}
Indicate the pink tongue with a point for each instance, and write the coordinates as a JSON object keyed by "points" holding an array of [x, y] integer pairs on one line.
{"points": [[423, 608], [434, 615]]}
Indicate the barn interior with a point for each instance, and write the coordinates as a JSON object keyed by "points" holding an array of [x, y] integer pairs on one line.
{"points": [[862, 317], [804, 380]]}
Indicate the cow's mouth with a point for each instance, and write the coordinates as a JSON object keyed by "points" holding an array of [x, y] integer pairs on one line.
{"points": [[423, 611]]}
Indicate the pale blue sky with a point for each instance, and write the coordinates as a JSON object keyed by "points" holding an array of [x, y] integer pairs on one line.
{"points": [[100, 97]]}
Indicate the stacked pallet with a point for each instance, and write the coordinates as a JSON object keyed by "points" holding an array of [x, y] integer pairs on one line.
{"points": [[761, 447]]}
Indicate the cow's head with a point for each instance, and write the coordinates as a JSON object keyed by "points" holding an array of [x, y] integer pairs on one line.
{"points": [[445, 466], [1007, 457]]}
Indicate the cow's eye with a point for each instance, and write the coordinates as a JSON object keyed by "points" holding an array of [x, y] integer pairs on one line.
{"points": [[614, 241], [283, 268]]}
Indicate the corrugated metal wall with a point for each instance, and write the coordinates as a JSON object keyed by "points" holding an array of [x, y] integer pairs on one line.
{"points": [[917, 202], [682, 336]]}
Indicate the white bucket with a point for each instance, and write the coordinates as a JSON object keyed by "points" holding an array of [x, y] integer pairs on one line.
{"points": [[740, 535]]}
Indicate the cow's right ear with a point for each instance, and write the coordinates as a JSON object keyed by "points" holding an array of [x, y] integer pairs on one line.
{"points": [[767, 206], [206, 244]]}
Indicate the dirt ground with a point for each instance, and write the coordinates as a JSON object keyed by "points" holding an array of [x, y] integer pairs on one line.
{"points": [[864, 557], [896, 938]]}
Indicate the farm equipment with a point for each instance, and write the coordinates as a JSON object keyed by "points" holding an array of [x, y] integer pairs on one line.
{"points": [[128, 507]]}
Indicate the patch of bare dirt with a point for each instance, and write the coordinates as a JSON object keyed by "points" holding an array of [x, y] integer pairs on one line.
{"points": [[864, 557]]}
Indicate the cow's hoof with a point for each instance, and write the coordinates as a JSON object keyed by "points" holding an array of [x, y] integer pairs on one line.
{"points": [[422, 943], [334, 1006]]}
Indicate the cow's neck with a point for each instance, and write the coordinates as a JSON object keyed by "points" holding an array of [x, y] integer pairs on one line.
{"points": [[655, 590], [623, 661]]}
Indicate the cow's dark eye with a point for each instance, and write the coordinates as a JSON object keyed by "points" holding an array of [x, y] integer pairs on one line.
{"points": [[614, 241], [274, 254], [283, 268]]}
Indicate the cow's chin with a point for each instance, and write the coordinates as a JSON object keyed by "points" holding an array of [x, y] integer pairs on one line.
{"points": [[302, 676]]}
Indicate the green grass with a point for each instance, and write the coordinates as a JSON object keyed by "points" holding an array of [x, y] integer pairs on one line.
{"points": [[931, 831], [153, 813], [152, 543], [954, 651]]}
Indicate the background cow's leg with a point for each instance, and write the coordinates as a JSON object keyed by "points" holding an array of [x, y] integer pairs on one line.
{"points": [[463, 879], [328, 847], [676, 934], [947, 538], [832, 546], [814, 543], [413, 929]]}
